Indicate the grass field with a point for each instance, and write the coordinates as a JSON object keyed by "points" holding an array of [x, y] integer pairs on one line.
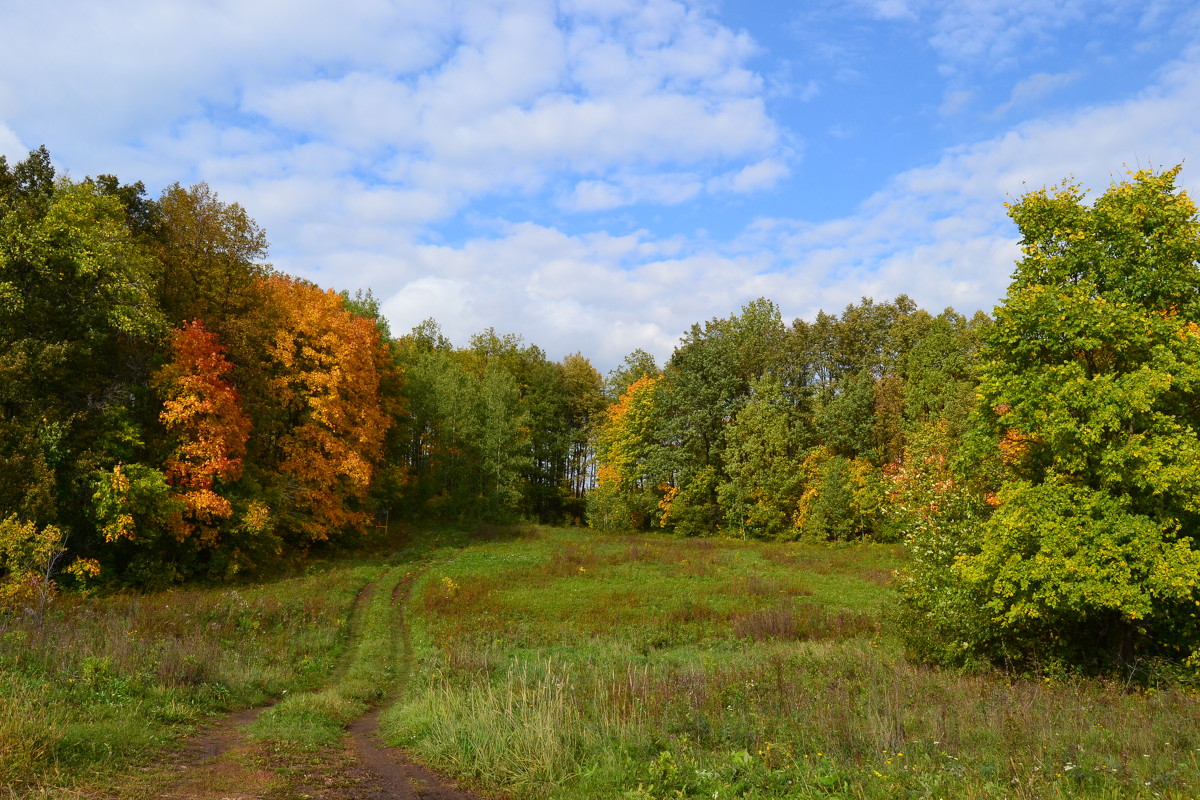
{"points": [[568, 664], [559, 663], [106, 682]]}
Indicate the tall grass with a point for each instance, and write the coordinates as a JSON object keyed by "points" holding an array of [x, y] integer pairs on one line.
{"points": [[733, 671], [105, 680], [369, 672]]}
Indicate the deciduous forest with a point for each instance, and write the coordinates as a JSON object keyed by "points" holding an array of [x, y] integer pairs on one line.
{"points": [[173, 410]]}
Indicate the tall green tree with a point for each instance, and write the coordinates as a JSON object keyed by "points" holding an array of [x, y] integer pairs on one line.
{"points": [[705, 384], [763, 448], [585, 405], [469, 426], [1091, 386], [213, 255], [80, 334]]}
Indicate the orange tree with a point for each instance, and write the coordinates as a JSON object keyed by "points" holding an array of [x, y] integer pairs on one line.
{"points": [[323, 422], [203, 414]]}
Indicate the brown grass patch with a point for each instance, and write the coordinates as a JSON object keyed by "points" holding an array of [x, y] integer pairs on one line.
{"points": [[800, 623], [448, 596], [488, 532], [881, 577], [573, 559], [693, 613]]}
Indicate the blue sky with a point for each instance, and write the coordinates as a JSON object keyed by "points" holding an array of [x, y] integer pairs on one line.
{"points": [[598, 174]]}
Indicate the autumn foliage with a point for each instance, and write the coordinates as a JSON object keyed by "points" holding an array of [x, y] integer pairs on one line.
{"points": [[626, 496], [202, 413], [329, 424], [172, 407], [169, 405]]}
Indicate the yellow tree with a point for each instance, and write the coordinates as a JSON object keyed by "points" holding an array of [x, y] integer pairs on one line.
{"points": [[1090, 392], [625, 495], [327, 425]]}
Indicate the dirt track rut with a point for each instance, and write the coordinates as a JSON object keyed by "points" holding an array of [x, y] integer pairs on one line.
{"points": [[222, 763]]}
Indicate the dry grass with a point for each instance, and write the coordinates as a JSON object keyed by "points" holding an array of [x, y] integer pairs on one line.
{"points": [[802, 622]]}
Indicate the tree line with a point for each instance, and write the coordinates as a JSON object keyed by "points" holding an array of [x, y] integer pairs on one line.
{"points": [[756, 428], [172, 407], [1042, 466]]}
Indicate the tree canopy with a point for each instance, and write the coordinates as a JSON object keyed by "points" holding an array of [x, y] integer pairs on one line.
{"points": [[170, 407]]}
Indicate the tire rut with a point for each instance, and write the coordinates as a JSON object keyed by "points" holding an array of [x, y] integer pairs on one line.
{"points": [[222, 763], [219, 762], [391, 774]]}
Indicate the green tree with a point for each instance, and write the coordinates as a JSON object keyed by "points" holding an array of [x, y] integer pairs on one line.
{"points": [[212, 254], [79, 335], [503, 434], [705, 384], [443, 402], [843, 499], [469, 453], [941, 372], [845, 421], [586, 403], [763, 449], [1091, 386], [638, 364]]}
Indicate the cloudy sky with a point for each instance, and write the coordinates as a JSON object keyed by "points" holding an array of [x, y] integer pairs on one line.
{"points": [[596, 175]]}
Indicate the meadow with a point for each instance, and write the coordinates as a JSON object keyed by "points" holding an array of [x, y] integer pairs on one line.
{"points": [[103, 683], [568, 664], [560, 663]]}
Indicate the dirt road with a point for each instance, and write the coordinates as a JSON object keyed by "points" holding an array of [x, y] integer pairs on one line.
{"points": [[223, 763]]}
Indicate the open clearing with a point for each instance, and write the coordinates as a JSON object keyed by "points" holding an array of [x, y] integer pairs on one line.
{"points": [[558, 663]]}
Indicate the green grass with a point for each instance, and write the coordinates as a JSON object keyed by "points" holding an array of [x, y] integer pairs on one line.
{"points": [[566, 664], [106, 681], [315, 718], [574, 665], [109, 682]]}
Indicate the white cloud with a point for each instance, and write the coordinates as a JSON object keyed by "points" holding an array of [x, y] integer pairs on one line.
{"points": [[752, 178], [360, 135], [892, 9], [954, 101], [519, 101], [998, 35], [10, 144], [1035, 87], [671, 188], [595, 196], [457, 102], [938, 233]]}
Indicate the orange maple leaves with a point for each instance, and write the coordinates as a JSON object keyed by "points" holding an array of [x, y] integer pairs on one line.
{"points": [[203, 413], [321, 414]]}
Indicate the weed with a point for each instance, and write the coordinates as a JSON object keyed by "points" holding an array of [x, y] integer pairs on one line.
{"points": [[104, 680], [685, 668], [800, 622]]}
